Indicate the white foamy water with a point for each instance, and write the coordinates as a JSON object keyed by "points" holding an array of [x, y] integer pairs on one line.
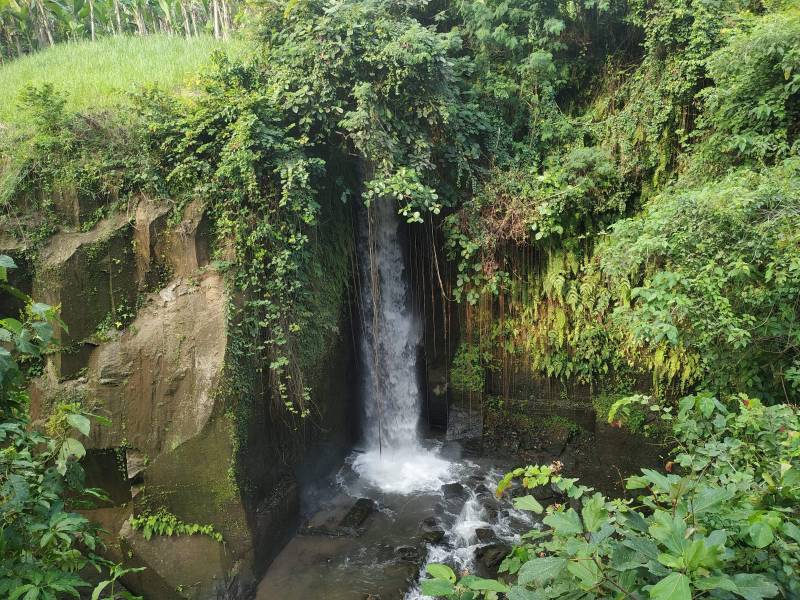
{"points": [[461, 540], [395, 460], [403, 470]]}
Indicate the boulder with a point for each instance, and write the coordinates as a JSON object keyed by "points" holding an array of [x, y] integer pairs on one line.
{"points": [[432, 531], [358, 513], [453, 490], [177, 566], [485, 534], [489, 558]]}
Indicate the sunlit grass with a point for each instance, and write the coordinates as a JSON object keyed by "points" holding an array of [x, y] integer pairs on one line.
{"points": [[101, 74]]}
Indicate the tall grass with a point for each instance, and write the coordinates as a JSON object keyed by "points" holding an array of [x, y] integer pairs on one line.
{"points": [[101, 74]]}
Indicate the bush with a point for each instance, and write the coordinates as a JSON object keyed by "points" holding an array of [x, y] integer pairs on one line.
{"points": [[44, 544], [721, 523]]}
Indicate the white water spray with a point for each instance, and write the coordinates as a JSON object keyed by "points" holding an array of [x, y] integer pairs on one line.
{"points": [[395, 460]]}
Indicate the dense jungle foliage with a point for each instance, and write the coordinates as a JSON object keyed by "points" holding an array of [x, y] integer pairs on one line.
{"points": [[622, 177]]}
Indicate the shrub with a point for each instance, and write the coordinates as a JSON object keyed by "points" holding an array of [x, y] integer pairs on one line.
{"points": [[721, 523]]}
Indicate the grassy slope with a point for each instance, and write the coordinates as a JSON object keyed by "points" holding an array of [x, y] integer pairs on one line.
{"points": [[100, 74]]}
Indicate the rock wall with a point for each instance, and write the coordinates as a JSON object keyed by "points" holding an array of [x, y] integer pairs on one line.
{"points": [[148, 346]]}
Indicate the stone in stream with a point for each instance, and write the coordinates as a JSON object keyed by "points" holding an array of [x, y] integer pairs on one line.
{"points": [[478, 478], [432, 531], [485, 534], [489, 558], [481, 489], [359, 513], [453, 490], [407, 554]]}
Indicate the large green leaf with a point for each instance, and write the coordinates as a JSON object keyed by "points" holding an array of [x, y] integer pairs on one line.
{"points": [[717, 582], [594, 512], [440, 571], [80, 423], [520, 593], [761, 534], [436, 587], [672, 587], [480, 584], [754, 586], [564, 523], [541, 570], [528, 503]]}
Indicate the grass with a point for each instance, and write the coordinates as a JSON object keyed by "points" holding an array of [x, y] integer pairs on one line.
{"points": [[101, 74]]}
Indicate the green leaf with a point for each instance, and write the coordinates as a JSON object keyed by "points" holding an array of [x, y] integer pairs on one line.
{"points": [[594, 512], [708, 498], [7, 262], [480, 584], [520, 593], [564, 523], [761, 534], [541, 570], [672, 587], [528, 503], [754, 586], [792, 530], [717, 582], [99, 589], [587, 571], [437, 587], [71, 448], [440, 571], [80, 423]]}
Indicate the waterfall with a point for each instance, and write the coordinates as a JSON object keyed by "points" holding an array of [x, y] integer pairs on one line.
{"points": [[395, 459], [390, 333]]}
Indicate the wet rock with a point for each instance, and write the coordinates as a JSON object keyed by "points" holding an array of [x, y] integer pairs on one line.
{"points": [[543, 493], [485, 534], [453, 490], [359, 513], [407, 553], [481, 489], [557, 441], [489, 558], [478, 478], [432, 531]]}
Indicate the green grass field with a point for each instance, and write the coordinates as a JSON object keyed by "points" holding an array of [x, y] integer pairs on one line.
{"points": [[100, 74]]}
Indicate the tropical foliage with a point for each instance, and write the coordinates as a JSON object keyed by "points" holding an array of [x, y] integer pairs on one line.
{"points": [[44, 543], [723, 523]]}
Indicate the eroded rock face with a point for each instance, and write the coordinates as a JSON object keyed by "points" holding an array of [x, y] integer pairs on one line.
{"points": [[90, 275], [160, 382]]}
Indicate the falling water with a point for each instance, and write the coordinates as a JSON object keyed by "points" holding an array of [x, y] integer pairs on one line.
{"points": [[395, 459]]}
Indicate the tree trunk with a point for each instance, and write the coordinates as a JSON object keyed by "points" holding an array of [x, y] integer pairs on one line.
{"points": [[140, 24], [118, 17], [91, 18], [45, 22], [186, 30], [226, 19], [215, 16], [193, 15]]}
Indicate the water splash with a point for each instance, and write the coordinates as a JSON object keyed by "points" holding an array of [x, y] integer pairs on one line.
{"points": [[395, 460], [403, 470]]}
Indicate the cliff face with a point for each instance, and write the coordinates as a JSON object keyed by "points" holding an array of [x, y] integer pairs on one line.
{"points": [[148, 345]]}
